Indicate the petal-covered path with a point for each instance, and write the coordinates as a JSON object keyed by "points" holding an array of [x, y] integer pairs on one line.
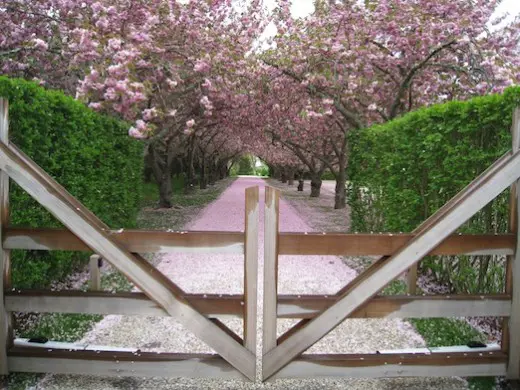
{"points": [[223, 274]]}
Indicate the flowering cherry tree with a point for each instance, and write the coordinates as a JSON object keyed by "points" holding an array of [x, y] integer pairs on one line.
{"points": [[163, 65], [370, 62], [190, 79]]}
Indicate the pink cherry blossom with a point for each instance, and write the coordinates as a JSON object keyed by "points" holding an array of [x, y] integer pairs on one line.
{"points": [[40, 44], [150, 113], [201, 66]]}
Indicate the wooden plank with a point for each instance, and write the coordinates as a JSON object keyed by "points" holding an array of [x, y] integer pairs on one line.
{"points": [[94, 273], [513, 272], [142, 241], [510, 342], [5, 254], [130, 303], [25, 343], [292, 330], [464, 208], [289, 306], [411, 279], [109, 363], [137, 241], [271, 215], [294, 306], [493, 347], [157, 286], [396, 365], [404, 350], [508, 284], [251, 267], [228, 331], [386, 244]]}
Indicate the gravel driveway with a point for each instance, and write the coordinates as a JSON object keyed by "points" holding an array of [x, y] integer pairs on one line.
{"points": [[223, 274]]}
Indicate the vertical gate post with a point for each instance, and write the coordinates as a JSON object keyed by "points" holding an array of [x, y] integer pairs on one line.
{"points": [[251, 268], [511, 330], [271, 216], [5, 255], [95, 273], [411, 279]]}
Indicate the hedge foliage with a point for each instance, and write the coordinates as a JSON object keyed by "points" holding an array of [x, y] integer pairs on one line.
{"points": [[401, 172], [90, 154]]}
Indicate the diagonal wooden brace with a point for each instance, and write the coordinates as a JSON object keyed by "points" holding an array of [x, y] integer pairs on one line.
{"points": [[92, 231], [491, 170], [441, 225]]}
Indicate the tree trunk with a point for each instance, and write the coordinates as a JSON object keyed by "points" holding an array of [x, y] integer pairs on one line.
{"points": [[300, 184], [162, 174], [212, 175], [291, 178], [485, 260], [283, 177], [222, 171], [340, 197], [203, 174], [275, 172], [165, 190], [189, 183], [148, 174], [315, 185]]}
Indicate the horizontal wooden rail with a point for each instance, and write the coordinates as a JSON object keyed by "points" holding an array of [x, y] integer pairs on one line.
{"points": [[386, 244], [108, 361], [98, 302], [289, 306], [144, 241], [396, 365], [309, 306], [111, 363], [137, 241]]}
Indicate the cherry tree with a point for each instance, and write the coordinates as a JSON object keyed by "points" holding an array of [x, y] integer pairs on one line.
{"points": [[163, 65], [187, 77], [379, 59]]}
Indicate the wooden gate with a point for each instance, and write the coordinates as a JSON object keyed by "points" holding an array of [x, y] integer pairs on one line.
{"points": [[161, 296], [282, 357]]}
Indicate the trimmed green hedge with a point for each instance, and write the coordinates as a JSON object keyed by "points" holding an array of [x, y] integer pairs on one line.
{"points": [[90, 154], [401, 172]]}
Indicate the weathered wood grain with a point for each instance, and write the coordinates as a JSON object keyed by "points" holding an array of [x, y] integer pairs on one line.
{"points": [[271, 215], [94, 283], [289, 306], [396, 365], [137, 241], [110, 363], [125, 303], [512, 329], [5, 254], [386, 244], [308, 306], [251, 267]]}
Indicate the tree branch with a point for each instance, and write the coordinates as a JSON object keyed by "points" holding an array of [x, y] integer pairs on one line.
{"points": [[411, 74]]}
